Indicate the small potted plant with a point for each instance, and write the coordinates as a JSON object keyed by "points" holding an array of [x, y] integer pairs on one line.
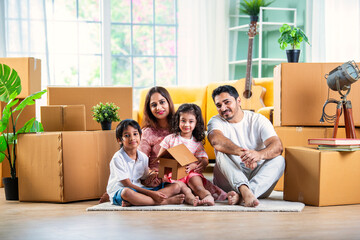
{"points": [[10, 88], [105, 114], [292, 36], [252, 8]]}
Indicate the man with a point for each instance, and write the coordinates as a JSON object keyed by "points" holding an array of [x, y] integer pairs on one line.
{"points": [[248, 151]]}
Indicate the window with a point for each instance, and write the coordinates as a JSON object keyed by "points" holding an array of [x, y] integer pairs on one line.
{"points": [[96, 43]]}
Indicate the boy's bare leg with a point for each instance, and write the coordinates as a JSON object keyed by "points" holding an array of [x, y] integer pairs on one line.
{"points": [[248, 197], [189, 196], [139, 199], [196, 184]]}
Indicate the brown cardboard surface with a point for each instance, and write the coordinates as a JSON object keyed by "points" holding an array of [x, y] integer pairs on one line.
{"points": [[322, 178], [90, 96], [63, 118], [300, 91], [64, 166], [29, 71], [176, 158]]}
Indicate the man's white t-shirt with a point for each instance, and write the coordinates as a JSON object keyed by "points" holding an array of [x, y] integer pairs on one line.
{"points": [[123, 167], [250, 133]]}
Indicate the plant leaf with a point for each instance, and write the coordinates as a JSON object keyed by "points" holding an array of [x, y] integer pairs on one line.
{"points": [[30, 100], [2, 157], [3, 145], [10, 83]]}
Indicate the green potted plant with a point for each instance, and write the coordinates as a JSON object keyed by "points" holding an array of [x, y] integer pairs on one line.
{"points": [[252, 8], [292, 36], [10, 88], [105, 114]]}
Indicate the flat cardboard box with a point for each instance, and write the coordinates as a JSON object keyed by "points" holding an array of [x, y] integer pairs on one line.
{"points": [[64, 166], [322, 178], [29, 71], [91, 96], [63, 118], [175, 160], [28, 113], [300, 91]]}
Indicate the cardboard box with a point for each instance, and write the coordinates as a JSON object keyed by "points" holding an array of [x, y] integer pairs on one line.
{"points": [[29, 71], [298, 136], [175, 160], [90, 96], [28, 113], [63, 118], [64, 166], [322, 178], [300, 91]]}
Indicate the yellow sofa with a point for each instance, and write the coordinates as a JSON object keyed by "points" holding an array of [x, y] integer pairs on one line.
{"points": [[201, 95]]}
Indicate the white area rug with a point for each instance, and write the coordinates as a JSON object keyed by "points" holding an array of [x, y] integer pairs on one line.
{"points": [[272, 204]]}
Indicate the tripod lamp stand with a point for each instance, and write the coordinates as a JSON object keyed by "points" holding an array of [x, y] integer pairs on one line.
{"points": [[340, 79]]}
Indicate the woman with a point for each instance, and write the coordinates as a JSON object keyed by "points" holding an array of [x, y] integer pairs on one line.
{"points": [[158, 112]]}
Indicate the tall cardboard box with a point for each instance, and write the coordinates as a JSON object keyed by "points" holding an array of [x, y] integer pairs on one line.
{"points": [[63, 118], [91, 96], [64, 166], [26, 115], [29, 71], [322, 178], [300, 91]]}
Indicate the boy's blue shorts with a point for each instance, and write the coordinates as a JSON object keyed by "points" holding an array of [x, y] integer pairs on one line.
{"points": [[117, 200]]}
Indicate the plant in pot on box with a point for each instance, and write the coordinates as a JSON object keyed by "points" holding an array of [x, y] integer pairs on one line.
{"points": [[105, 114], [292, 36], [10, 88]]}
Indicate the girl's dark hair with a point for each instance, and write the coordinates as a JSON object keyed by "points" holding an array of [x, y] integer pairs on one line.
{"points": [[225, 88], [199, 130], [122, 126], [149, 119]]}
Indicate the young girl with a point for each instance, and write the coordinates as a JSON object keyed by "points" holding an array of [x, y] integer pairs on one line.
{"points": [[188, 128], [129, 167]]}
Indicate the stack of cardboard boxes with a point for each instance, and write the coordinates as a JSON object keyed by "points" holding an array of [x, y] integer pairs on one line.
{"points": [[300, 91], [70, 160]]}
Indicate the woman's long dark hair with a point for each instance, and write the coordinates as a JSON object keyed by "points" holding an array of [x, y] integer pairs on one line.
{"points": [[149, 119], [199, 130]]}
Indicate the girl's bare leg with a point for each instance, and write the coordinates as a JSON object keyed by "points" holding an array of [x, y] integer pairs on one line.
{"points": [[189, 196], [196, 184]]}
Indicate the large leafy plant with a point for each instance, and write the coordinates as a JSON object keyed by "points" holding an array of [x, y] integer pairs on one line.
{"points": [[252, 7], [10, 88], [291, 35], [107, 112]]}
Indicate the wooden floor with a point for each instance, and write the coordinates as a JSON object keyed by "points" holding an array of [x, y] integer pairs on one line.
{"points": [[21, 220]]}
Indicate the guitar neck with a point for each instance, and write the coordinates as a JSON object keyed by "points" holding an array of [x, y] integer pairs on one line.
{"points": [[249, 65]]}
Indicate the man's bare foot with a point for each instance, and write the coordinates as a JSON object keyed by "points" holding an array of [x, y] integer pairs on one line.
{"points": [[207, 200], [125, 203], [233, 198], [177, 199], [250, 200]]}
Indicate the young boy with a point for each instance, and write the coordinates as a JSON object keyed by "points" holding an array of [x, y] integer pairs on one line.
{"points": [[129, 167]]}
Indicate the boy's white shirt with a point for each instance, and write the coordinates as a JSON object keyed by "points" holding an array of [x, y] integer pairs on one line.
{"points": [[123, 167]]}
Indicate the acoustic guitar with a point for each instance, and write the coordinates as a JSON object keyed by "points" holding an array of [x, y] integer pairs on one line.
{"points": [[252, 96]]}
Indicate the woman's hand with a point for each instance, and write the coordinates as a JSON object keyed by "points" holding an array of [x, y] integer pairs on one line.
{"points": [[152, 180]]}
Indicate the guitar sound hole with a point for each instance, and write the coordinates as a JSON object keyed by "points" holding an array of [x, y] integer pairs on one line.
{"points": [[247, 94]]}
